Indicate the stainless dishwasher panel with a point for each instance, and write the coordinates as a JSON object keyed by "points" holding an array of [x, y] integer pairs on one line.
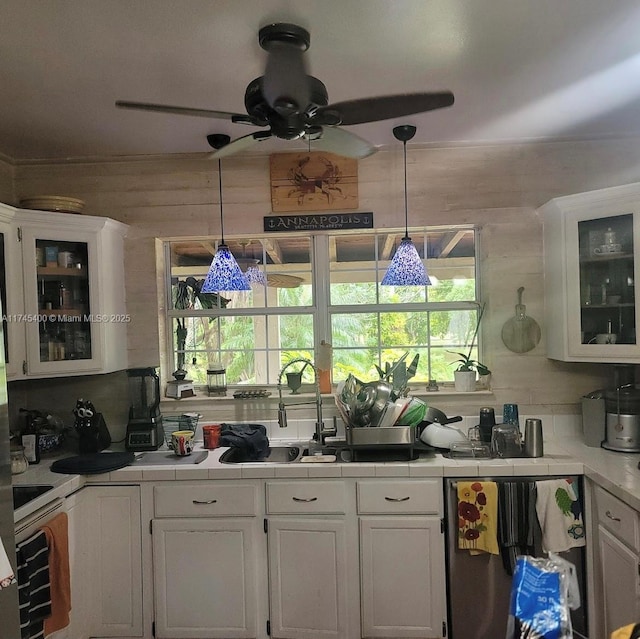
{"points": [[479, 589]]}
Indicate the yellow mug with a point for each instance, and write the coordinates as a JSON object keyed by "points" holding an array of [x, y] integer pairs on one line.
{"points": [[182, 442]]}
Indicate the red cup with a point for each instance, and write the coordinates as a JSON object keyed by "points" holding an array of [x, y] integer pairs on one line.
{"points": [[211, 434]]}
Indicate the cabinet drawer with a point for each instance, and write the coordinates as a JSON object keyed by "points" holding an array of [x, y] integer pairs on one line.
{"points": [[401, 496], [306, 497], [209, 499], [617, 517]]}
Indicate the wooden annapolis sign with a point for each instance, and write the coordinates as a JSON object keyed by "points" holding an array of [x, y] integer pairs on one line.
{"points": [[318, 222]]}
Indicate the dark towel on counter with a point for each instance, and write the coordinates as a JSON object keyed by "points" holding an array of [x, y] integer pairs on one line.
{"points": [[516, 519], [34, 594], [250, 438]]}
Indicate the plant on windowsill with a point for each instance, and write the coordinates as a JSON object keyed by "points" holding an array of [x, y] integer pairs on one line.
{"points": [[469, 369]]}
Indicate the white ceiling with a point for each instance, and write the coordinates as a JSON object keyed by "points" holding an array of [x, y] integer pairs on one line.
{"points": [[519, 69]]}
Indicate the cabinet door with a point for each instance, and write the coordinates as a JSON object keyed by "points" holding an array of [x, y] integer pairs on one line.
{"points": [[61, 295], [205, 577], [308, 578], [402, 577], [76, 508], [11, 297], [591, 308], [619, 572], [114, 570], [606, 284]]}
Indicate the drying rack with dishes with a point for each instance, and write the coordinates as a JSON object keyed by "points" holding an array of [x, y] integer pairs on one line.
{"points": [[378, 421], [183, 421]]}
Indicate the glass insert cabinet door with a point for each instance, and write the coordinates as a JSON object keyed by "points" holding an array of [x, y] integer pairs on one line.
{"points": [[59, 293], [64, 311], [607, 282]]}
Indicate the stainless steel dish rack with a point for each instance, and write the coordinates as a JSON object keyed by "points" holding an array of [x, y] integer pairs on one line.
{"points": [[393, 443]]}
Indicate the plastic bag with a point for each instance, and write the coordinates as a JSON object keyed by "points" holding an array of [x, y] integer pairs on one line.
{"points": [[542, 592]]}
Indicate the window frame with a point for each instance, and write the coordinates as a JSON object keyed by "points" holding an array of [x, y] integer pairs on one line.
{"points": [[322, 309]]}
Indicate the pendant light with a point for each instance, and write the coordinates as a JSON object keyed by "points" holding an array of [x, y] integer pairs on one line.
{"points": [[224, 273], [406, 268], [253, 274]]}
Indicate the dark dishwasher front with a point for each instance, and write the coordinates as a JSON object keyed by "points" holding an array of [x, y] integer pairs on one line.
{"points": [[479, 588]]}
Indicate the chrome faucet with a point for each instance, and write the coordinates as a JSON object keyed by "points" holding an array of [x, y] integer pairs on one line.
{"points": [[320, 433]]}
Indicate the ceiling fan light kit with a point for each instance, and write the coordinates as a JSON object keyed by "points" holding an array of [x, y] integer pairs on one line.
{"points": [[224, 273], [406, 268], [295, 105]]}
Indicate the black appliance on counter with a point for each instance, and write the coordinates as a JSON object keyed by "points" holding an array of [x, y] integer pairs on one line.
{"points": [[144, 429]]}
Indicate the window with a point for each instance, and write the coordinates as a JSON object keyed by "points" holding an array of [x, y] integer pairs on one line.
{"points": [[323, 287]]}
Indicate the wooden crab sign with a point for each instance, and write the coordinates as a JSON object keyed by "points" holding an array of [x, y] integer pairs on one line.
{"points": [[313, 181]]}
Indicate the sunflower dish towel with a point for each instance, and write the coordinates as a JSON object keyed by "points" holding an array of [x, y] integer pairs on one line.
{"points": [[478, 517]]}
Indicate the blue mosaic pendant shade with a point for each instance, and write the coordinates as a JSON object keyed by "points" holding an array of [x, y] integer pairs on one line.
{"points": [[224, 273], [406, 268], [255, 276]]}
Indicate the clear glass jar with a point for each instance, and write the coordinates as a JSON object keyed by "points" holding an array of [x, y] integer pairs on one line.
{"points": [[216, 380], [19, 463]]}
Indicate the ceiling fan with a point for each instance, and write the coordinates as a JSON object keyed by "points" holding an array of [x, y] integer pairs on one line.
{"points": [[295, 105]]}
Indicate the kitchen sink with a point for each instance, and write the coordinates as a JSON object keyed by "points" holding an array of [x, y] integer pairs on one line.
{"points": [[24, 494], [277, 455]]}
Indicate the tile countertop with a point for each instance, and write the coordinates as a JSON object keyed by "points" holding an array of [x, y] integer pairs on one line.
{"points": [[616, 472]]}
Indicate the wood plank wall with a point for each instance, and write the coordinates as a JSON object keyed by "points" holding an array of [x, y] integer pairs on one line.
{"points": [[7, 194], [497, 188]]}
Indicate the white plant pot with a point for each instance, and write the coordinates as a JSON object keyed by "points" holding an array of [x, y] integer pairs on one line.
{"points": [[464, 381]]}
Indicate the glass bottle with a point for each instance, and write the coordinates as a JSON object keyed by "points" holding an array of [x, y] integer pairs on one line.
{"points": [[19, 463], [31, 441]]}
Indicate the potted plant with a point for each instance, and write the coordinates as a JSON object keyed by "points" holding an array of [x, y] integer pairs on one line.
{"points": [[468, 369], [465, 375]]}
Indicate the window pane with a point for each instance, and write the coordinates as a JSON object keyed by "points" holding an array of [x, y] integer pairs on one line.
{"points": [[252, 349], [285, 262], [352, 269], [354, 329], [360, 362], [396, 333]]}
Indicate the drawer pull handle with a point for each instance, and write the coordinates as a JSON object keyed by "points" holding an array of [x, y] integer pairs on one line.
{"points": [[610, 516], [397, 498], [206, 503], [306, 500]]}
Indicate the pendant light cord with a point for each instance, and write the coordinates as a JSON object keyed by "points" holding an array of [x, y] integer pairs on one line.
{"points": [[220, 190], [406, 213]]}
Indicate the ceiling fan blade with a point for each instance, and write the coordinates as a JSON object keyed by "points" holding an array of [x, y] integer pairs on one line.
{"points": [[176, 110], [240, 144], [285, 84], [381, 108], [342, 142]]}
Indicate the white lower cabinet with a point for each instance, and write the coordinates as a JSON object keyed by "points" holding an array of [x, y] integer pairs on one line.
{"points": [[114, 560], [402, 572], [304, 558], [205, 573], [309, 574], [617, 563], [204, 578]]}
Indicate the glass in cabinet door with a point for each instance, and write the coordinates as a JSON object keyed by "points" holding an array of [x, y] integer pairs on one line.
{"points": [[3, 296], [607, 291], [63, 300]]}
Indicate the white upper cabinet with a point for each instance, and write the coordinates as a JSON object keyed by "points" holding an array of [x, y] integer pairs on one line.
{"points": [[63, 281], [591, 248]]}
